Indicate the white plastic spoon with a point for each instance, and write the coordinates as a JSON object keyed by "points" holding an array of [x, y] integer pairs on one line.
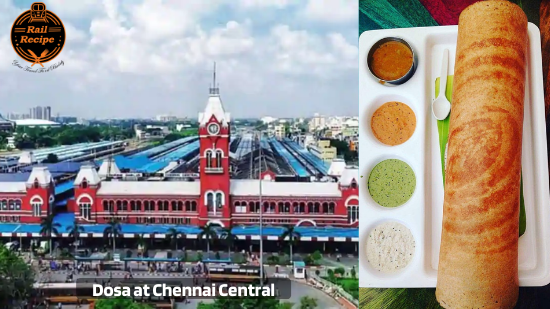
{"points": [[441, 107]]}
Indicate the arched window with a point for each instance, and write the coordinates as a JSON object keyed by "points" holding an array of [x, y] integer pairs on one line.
{"points": [[210, 201], [353, 214], [287, 207], [11, 204], [133, 205], [118, 205], [310, 207], [325, 207], [208, 158], [266, 207], [193, 206], [36, 204], [36, 184], [124, 205], [219, 156], [331, 207], [316, 207], [302, 207], [84, 184], [17, 204], [219, 199], [354, 184], [4, 204], [146, 205], [85, 210], [187, 206], [281, 206], [295, 207], [138, 205]]}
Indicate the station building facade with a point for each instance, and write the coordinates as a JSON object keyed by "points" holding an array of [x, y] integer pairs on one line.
{"points": [[213, 198]]}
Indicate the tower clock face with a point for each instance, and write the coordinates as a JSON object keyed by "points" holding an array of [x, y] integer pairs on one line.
{"points": [[213, 129]]}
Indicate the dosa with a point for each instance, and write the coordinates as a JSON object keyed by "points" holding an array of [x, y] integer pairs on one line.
{"points": [[478, 260]]}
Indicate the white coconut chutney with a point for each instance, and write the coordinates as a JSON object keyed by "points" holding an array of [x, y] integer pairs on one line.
{"points": [[390, 247]]}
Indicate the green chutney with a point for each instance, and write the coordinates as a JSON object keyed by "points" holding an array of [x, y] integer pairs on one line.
{"points": [[391, 183]]}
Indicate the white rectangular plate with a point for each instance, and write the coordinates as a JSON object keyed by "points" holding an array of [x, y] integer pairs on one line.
{"points": [[422, 214]]}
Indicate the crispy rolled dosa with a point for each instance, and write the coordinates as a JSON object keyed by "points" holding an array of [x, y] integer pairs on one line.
{"points": [[478, 261]]}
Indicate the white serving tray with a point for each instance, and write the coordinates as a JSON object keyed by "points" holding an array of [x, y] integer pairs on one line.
{"points": [[422, 214]]}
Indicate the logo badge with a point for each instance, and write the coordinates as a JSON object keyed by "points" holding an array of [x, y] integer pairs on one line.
{"points": [[38, 35]]}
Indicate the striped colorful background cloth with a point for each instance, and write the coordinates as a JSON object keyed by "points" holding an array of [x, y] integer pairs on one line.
{"points": [[387, 14]]}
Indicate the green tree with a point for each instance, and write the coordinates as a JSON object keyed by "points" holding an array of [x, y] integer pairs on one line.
{"points": [[353, 273], [228, 238], [340, 271], [307, 302], [171, 137], [48, 227], [16, 279], [262, 302], [113, 231], [317, 256], [208, 233], [51, 158], [292, 236], [142, 244], [286, 305], [74, 231], [22, 141], [172, 234], [119, 303]]}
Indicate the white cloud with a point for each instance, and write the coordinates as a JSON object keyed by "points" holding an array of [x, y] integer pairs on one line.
{"points": [[157, 57], [334, 11], [265, 3]]}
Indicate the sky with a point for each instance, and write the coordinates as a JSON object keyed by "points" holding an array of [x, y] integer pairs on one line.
{"points": [[139, 59]]}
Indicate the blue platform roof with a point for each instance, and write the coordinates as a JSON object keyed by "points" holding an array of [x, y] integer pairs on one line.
{"points": [[66, 220], [20, 177], [162, 148], [62, 202], [180, 152], [152, 167], [311, 158], [64, 187], [61, 167], [289, 158], [132, 163]]}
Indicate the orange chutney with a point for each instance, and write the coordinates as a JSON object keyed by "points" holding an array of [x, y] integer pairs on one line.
{"points": [[392, 60]]}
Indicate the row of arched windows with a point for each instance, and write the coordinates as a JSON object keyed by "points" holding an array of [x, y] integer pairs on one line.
{"points": [[149, 205], [286, 207], [14, 204], [213, 158]]}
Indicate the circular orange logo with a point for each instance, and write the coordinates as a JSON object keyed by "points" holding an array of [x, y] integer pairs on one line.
{"points": [[38, 35]]}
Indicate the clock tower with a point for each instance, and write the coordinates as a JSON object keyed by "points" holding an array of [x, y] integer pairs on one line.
{"points": [[214, 136]]}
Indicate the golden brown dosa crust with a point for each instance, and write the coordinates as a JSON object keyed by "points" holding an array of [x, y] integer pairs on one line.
{"points": [[478, 261]]}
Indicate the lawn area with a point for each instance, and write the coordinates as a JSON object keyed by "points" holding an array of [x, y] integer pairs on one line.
{"points": [[350, 285]]}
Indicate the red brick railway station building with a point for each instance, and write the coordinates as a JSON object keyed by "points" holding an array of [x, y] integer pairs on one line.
{"points": [[213, 198]]}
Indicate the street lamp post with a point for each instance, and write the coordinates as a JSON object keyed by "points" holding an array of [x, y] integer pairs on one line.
{"points": [[261, 215]]}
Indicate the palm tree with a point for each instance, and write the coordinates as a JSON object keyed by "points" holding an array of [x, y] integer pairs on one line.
{"points": [[74, 232], [228, 238], [307, 302], [49, 227], [142, 243], [114, 230], [173, 234], [292, 235], [209, 234]]}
